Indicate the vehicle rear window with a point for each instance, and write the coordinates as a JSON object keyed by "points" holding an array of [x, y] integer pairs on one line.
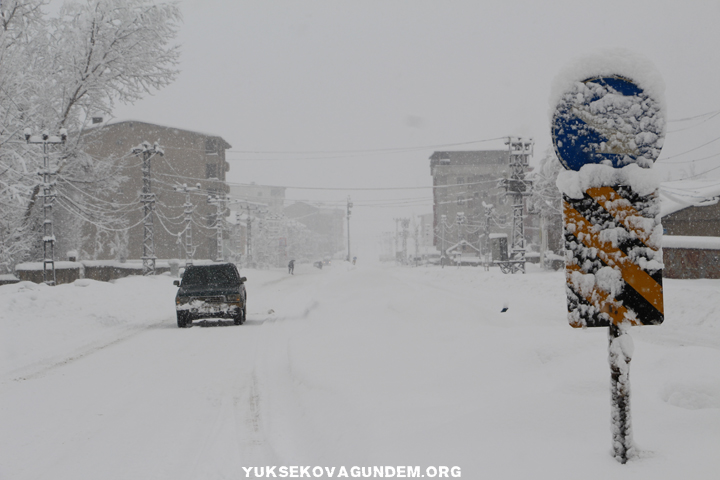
{"points": [[209, 275]]}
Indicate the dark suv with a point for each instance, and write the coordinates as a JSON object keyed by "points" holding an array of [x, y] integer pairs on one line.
{"points": [[215, 290]]}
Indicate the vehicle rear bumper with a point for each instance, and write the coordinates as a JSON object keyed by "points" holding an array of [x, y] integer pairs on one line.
{"points": [[210, 310]]}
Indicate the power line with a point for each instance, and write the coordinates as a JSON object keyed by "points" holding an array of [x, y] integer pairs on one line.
{"points": [[691, 161], [371, 150], [691, 150], [700, 174], [713, 113]]}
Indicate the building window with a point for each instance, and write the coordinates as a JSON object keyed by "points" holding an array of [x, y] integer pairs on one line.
{"points": [[211, 170], [460, 200], [210, 145], [460, 180]]}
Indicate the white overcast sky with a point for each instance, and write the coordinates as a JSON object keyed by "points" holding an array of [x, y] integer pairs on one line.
{"points": [[315, 76]]}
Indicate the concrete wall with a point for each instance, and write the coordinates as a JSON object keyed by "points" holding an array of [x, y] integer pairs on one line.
{"points": [[696, 221], [691, 263], [68, 272], [65, 272]]}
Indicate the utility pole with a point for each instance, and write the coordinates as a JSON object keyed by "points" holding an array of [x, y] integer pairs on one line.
{"points": [[460, 220], [250, 207], [148, 200], [248, 237], [486, 225], [349, 206], [417, 240], [188, 206], [518, 188], [405, 224], [238, 246], [443, 221], [219, 202], [397, 238], [48, 194]]}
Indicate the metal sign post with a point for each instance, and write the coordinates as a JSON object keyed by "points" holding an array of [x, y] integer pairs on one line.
{"points": [[605, 131]]}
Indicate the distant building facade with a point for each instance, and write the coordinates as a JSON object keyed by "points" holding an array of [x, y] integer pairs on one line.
{"points": [[427, 230], [191, 158], [326, 223], [691, 229], [273, 197], [463, 181]]}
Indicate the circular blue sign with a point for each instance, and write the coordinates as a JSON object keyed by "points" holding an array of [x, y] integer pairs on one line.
{"points": [[608, 121]]}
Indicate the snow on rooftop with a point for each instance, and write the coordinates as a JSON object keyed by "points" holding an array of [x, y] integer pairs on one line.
{"points": [[690, 242], [677, 195], [116, 121]]}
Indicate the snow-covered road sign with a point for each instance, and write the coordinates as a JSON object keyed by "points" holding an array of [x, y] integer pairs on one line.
{"points": [[607, 131], [612, 271], [607, 120]]}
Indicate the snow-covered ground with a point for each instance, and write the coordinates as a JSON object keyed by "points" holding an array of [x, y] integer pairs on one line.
{"points": [[365, 365]]}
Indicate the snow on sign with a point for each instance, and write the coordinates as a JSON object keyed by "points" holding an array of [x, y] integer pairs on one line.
{"points": [[607, 132], [607, 120]]}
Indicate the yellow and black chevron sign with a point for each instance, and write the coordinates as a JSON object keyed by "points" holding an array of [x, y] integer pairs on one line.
{"points": [[614, 262]]}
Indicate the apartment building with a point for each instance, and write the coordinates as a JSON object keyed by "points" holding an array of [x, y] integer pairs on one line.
{"points": [[463, 181], [191, 158]]}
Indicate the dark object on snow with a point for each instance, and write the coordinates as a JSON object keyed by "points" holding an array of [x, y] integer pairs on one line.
{"points": [[505, 309], [211, 291], [318, 264]]}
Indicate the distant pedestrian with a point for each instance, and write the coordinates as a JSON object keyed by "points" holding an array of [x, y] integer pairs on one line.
{"points": [[291, 267], [354, 260]]}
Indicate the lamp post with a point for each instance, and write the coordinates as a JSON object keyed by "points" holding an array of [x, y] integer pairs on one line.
{"points": [[48, 186]]}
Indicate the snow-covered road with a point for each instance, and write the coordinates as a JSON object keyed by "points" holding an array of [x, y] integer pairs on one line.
{"points": [[365, 365]]}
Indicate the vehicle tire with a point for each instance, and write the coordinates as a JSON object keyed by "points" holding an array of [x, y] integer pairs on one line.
{"points": [[182, 320], [240, 317]]}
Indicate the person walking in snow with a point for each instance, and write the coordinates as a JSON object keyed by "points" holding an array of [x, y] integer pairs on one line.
{"points": [[291, 267]]}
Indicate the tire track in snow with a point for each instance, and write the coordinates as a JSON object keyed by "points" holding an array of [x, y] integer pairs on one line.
{"points": [[39, 369]]}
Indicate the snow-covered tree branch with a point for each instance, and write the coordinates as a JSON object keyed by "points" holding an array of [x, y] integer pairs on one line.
{"points": [[59, 72]]}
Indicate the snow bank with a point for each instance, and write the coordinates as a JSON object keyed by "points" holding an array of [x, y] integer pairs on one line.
{"points": [[42, 325]]}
